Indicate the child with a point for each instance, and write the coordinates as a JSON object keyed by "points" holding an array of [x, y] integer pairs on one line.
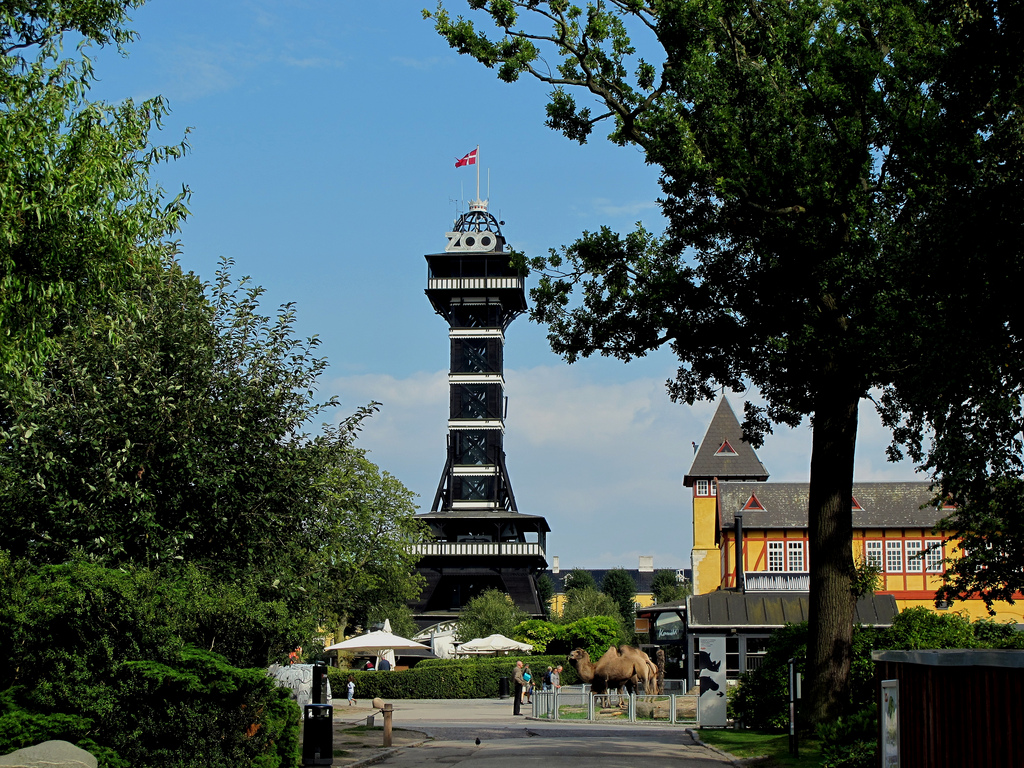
{"points": [[351, 690]]}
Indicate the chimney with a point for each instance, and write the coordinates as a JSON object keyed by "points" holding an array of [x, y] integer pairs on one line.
{"points": [[740, 586], [646, 563], [554, 564]]}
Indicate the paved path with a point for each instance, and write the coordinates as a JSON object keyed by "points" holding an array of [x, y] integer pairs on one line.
{"points": [[445, 732]]}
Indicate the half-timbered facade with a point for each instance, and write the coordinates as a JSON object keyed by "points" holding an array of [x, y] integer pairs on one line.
{"points": [[894, 529]]}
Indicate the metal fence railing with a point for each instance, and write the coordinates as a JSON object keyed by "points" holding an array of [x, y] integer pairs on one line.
{"points": [[577, 702]]}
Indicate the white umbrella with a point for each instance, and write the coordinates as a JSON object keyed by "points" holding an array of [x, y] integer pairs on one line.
{"points": [[493, 644], [378, 643]]}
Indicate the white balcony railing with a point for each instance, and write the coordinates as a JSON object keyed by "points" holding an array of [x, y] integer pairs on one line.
{"points": [[475, 283], [478, 548], [776, 581]]}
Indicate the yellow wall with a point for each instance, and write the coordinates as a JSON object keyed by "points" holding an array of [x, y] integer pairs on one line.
{"points": [[705, 560]]}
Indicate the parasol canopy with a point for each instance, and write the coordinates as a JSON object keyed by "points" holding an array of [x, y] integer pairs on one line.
{"points": [[493, 644], [377, 643]]}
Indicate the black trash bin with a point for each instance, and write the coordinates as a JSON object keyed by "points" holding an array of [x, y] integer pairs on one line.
{"points": [[318, 734], [503, 687]]}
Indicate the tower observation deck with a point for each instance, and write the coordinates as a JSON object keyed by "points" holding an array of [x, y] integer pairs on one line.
{"points": [[481, 539]]}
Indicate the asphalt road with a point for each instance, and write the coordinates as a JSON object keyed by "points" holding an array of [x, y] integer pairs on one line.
{"points": [[644, 748], [451, 730]]}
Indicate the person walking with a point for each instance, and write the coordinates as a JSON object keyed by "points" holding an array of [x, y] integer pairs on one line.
{"points": [[517, 698], [528, 687], [351, 691], [546, 680]]}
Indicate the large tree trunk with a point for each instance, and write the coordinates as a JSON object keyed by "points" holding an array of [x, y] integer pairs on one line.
{"points": [[834, 439]]}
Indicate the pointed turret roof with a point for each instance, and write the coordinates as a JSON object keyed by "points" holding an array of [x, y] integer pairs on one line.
{"points": [[724, 453]]}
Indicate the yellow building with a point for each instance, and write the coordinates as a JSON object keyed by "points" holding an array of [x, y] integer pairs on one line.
{"points": [[732, 501]]}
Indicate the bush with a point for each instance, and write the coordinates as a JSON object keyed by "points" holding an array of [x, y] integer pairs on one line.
{"points": [[919, 627], [762, 698], [474, 678], [850, 742], [95, 658]]}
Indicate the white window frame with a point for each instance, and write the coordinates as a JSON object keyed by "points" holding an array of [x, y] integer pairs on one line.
{"points": [[776, 556], [873, 553], [933, 556], [702, 488], [795, 556], [915, 560], [894, 555], [714, 488]]}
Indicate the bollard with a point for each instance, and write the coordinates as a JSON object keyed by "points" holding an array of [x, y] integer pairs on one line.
{"points": [[369, 721], [387, 724]]}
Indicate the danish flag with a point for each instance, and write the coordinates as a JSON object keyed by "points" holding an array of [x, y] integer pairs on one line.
{"points": [[469, 159]]}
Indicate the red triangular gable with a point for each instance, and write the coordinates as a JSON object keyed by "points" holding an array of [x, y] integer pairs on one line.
{"points": [[752, 503], [725, 449], [856, 505]]}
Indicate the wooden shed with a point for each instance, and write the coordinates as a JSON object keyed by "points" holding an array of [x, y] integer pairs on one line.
{"points": [[956, 707]]}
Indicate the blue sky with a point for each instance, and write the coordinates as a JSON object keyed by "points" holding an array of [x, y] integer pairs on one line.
{"points": [[323, 140]]}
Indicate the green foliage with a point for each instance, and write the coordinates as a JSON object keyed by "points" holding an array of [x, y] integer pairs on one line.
{"points": [[667, 588], [620, 587], [545, 591], [917, 628], [79, 214], [761, 700], [850, 741], [365, 529], [103, 658], [991, 634], [594, 634], [813, 225], [578, 578], [538, 633], [473, 678], [490, 612], [587, 601]]}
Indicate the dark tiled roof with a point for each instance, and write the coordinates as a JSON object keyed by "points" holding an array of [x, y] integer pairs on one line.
{"points": [[725, 609], [710, 461], [642, 579], [784, 505]]}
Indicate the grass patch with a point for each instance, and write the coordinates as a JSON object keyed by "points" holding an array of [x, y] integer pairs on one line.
{"points": [[341, 753], [774, 747]]}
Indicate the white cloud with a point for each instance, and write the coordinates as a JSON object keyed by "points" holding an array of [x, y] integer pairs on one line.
{"points": [[430, 62], [603, 462], [606, 207]]}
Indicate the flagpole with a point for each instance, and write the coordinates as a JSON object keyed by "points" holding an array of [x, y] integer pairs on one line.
{"points": [[478, 172]]}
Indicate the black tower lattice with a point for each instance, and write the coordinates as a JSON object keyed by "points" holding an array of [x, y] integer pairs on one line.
{"points": [[481, 538]]}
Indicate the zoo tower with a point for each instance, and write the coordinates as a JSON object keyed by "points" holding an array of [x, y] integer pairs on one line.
{"points": [[481, 540]]}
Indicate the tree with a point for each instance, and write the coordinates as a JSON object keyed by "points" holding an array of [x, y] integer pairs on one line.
{"points": [[578, 578], [364, 536], [491, 612], [667, 588], [79, 214], [587, 602], [621, 588], [802, 147], [545, 591], [173, 432]]}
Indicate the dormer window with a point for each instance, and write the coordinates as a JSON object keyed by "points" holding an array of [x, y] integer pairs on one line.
{"points": [[725, 449]]}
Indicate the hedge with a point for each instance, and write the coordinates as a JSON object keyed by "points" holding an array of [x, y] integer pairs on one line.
{"points": [[475, 678]]}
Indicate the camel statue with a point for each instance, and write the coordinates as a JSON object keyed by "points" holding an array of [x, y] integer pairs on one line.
{"points": [[620, 667]]}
